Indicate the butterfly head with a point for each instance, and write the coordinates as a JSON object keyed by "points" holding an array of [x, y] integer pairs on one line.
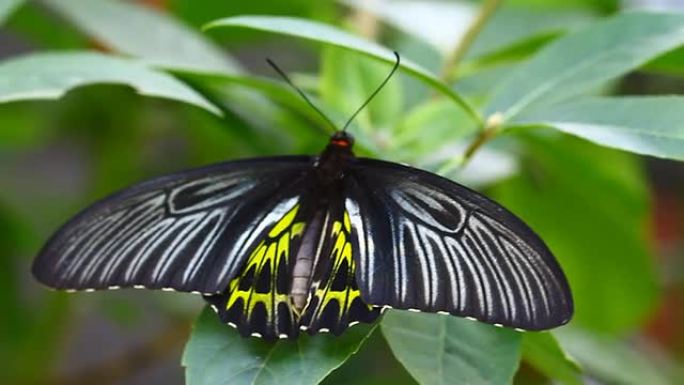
{"points": [[342, 140]]}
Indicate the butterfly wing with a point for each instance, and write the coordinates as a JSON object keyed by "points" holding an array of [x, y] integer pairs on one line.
{"points": [[257, 300], [311, 242], [335, 301], [190, 231], [430, 244]]}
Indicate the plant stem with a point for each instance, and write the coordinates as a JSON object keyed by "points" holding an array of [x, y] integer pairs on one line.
{"points": [[491, 128], [365, 22], [489, 131], [486, 11]]}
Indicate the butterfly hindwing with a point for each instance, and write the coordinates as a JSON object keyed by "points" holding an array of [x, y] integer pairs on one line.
{"points": [[335, 301], [257, 300], [429, 244]]}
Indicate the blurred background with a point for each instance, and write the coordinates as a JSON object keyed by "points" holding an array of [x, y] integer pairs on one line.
{"points": [[615, 220]]}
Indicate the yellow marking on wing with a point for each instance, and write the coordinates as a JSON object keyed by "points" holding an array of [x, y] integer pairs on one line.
{"points": [[284, 222], [271, 251], [297, 229], [341, 252]]}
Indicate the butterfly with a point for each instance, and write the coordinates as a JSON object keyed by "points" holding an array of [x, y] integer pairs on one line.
{"points": [[280, 245]]}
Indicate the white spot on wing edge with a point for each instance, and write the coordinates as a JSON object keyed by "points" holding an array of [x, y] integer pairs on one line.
{"points": [[257, 335], [283, 336], [385, 308]]}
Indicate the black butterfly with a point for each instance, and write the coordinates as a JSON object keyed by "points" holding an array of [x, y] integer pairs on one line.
{"points": [[316, 243]]}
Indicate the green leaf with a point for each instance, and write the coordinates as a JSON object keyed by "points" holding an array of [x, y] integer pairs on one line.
{"points": [[515, 26], [509, 54], [346, 81], [40, 29], [426, 128], [330, 35], [582, 61], [51, 75], [613, 361], [147, 34], [7, 7], [441, 349], [589, 204], [542, 351], [671, 63], [644, 125], [216, 354]]}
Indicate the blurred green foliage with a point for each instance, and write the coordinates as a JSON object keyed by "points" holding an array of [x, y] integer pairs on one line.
{"points": [[530, 75]]}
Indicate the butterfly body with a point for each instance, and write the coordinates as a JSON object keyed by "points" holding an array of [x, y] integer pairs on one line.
{"points": [[285, 244]]}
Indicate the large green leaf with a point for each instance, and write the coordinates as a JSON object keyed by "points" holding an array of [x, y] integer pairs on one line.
{"points": [[139, 31], [330, 35], [51, 75], [440, 349], [544, 353], [614, 361], [513, 26], [7, 7], [589, 204], [645, 125], [582, 61], [216, 354]]}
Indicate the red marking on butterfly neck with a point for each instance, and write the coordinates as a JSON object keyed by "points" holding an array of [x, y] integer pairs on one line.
{"points": [[344, 143]]}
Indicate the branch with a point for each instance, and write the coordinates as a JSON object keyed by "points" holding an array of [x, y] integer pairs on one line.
{"points": [[490, 130], [365, 22]]}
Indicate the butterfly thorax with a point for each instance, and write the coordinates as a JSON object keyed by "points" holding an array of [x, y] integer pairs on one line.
{"points": [[334, 159]]}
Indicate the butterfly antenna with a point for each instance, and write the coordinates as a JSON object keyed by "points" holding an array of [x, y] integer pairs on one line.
{"points": [[394, 69], [300, 92]]}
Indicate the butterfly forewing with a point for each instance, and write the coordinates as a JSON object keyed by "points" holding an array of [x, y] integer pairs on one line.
{"points": [[188, 231], [432, 245]]}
